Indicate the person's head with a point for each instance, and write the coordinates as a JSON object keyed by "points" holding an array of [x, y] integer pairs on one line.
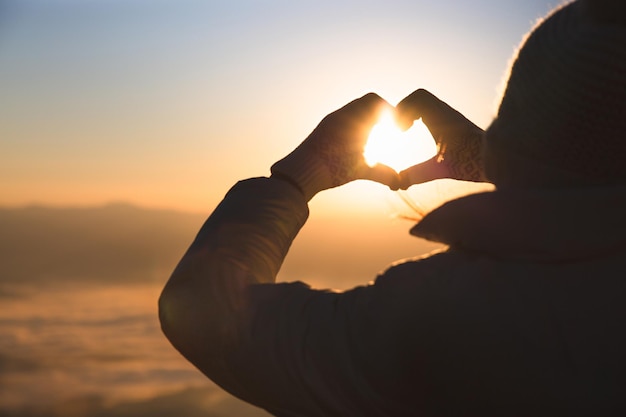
{"points": [[562, 119]]}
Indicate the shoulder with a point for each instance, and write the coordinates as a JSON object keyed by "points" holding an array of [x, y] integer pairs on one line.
{"points": [[443, 266], [434, 295]]}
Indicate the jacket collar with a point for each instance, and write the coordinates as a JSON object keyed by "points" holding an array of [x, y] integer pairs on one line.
{"points": [[548, 224]]}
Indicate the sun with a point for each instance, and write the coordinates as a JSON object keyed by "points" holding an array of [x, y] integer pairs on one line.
{"points": [[388, 145]]}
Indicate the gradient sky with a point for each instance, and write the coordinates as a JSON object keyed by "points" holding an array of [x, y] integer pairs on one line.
{"points": [[168, 103]]}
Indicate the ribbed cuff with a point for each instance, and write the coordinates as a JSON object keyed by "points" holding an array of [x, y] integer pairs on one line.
{"points": [[305, 173]]}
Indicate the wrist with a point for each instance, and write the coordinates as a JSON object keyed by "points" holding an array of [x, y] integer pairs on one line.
{"points": [[303, 173], [287, 179]]}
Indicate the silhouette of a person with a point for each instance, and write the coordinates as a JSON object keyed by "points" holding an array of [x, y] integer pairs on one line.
{"points": [[523, 314]]}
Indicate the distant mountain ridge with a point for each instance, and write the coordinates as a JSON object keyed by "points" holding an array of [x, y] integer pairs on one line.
{"points": [[120, 243], [115, 243]]}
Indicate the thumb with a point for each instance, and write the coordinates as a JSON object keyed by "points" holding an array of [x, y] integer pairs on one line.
{"points": [[423, 172], [382, 174]]}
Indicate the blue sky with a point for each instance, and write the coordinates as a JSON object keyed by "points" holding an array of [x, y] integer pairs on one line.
{"points": [[153, 102]]}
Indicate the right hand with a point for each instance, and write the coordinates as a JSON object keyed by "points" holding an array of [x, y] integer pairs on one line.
{"points": [[458, 140]]}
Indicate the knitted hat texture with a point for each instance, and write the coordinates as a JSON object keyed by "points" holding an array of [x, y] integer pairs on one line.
{"points": [[564, 106]]}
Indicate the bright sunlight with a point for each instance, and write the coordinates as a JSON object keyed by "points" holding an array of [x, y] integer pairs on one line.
{"points": [[388, 145]]}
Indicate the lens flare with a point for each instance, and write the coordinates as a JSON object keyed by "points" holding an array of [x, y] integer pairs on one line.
{"points": [[388, 145]]}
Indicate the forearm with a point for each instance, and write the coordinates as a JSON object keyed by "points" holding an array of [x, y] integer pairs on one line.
{"points": [[254, 226], [243, 242]]}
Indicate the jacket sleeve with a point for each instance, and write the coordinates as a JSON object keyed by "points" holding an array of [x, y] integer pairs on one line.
{"points": [[285, 347], [242, 243]]}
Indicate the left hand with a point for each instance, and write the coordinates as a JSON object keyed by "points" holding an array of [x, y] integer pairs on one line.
{"points": [[459, 141], [332, 155]]}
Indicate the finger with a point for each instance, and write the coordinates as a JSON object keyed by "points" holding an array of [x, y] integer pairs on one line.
{"points": [[423, 172], [367, 110], [438, 116], [382, 174], [419, 104], [371, 103]]}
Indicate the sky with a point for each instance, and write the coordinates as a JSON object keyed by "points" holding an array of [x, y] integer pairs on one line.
{"points": [[167, 103]]}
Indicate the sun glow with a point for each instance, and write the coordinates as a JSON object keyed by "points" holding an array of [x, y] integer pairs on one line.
{"points": [[388, 145]]}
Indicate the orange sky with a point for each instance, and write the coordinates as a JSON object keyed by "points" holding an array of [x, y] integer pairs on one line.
{"points": [[167, 104]]}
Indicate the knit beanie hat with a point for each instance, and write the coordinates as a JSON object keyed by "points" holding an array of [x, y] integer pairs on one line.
{"points": [[562, 119]]}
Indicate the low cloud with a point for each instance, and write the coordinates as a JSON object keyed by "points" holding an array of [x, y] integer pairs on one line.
{"points": [[189, 402], [79, 333]]}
